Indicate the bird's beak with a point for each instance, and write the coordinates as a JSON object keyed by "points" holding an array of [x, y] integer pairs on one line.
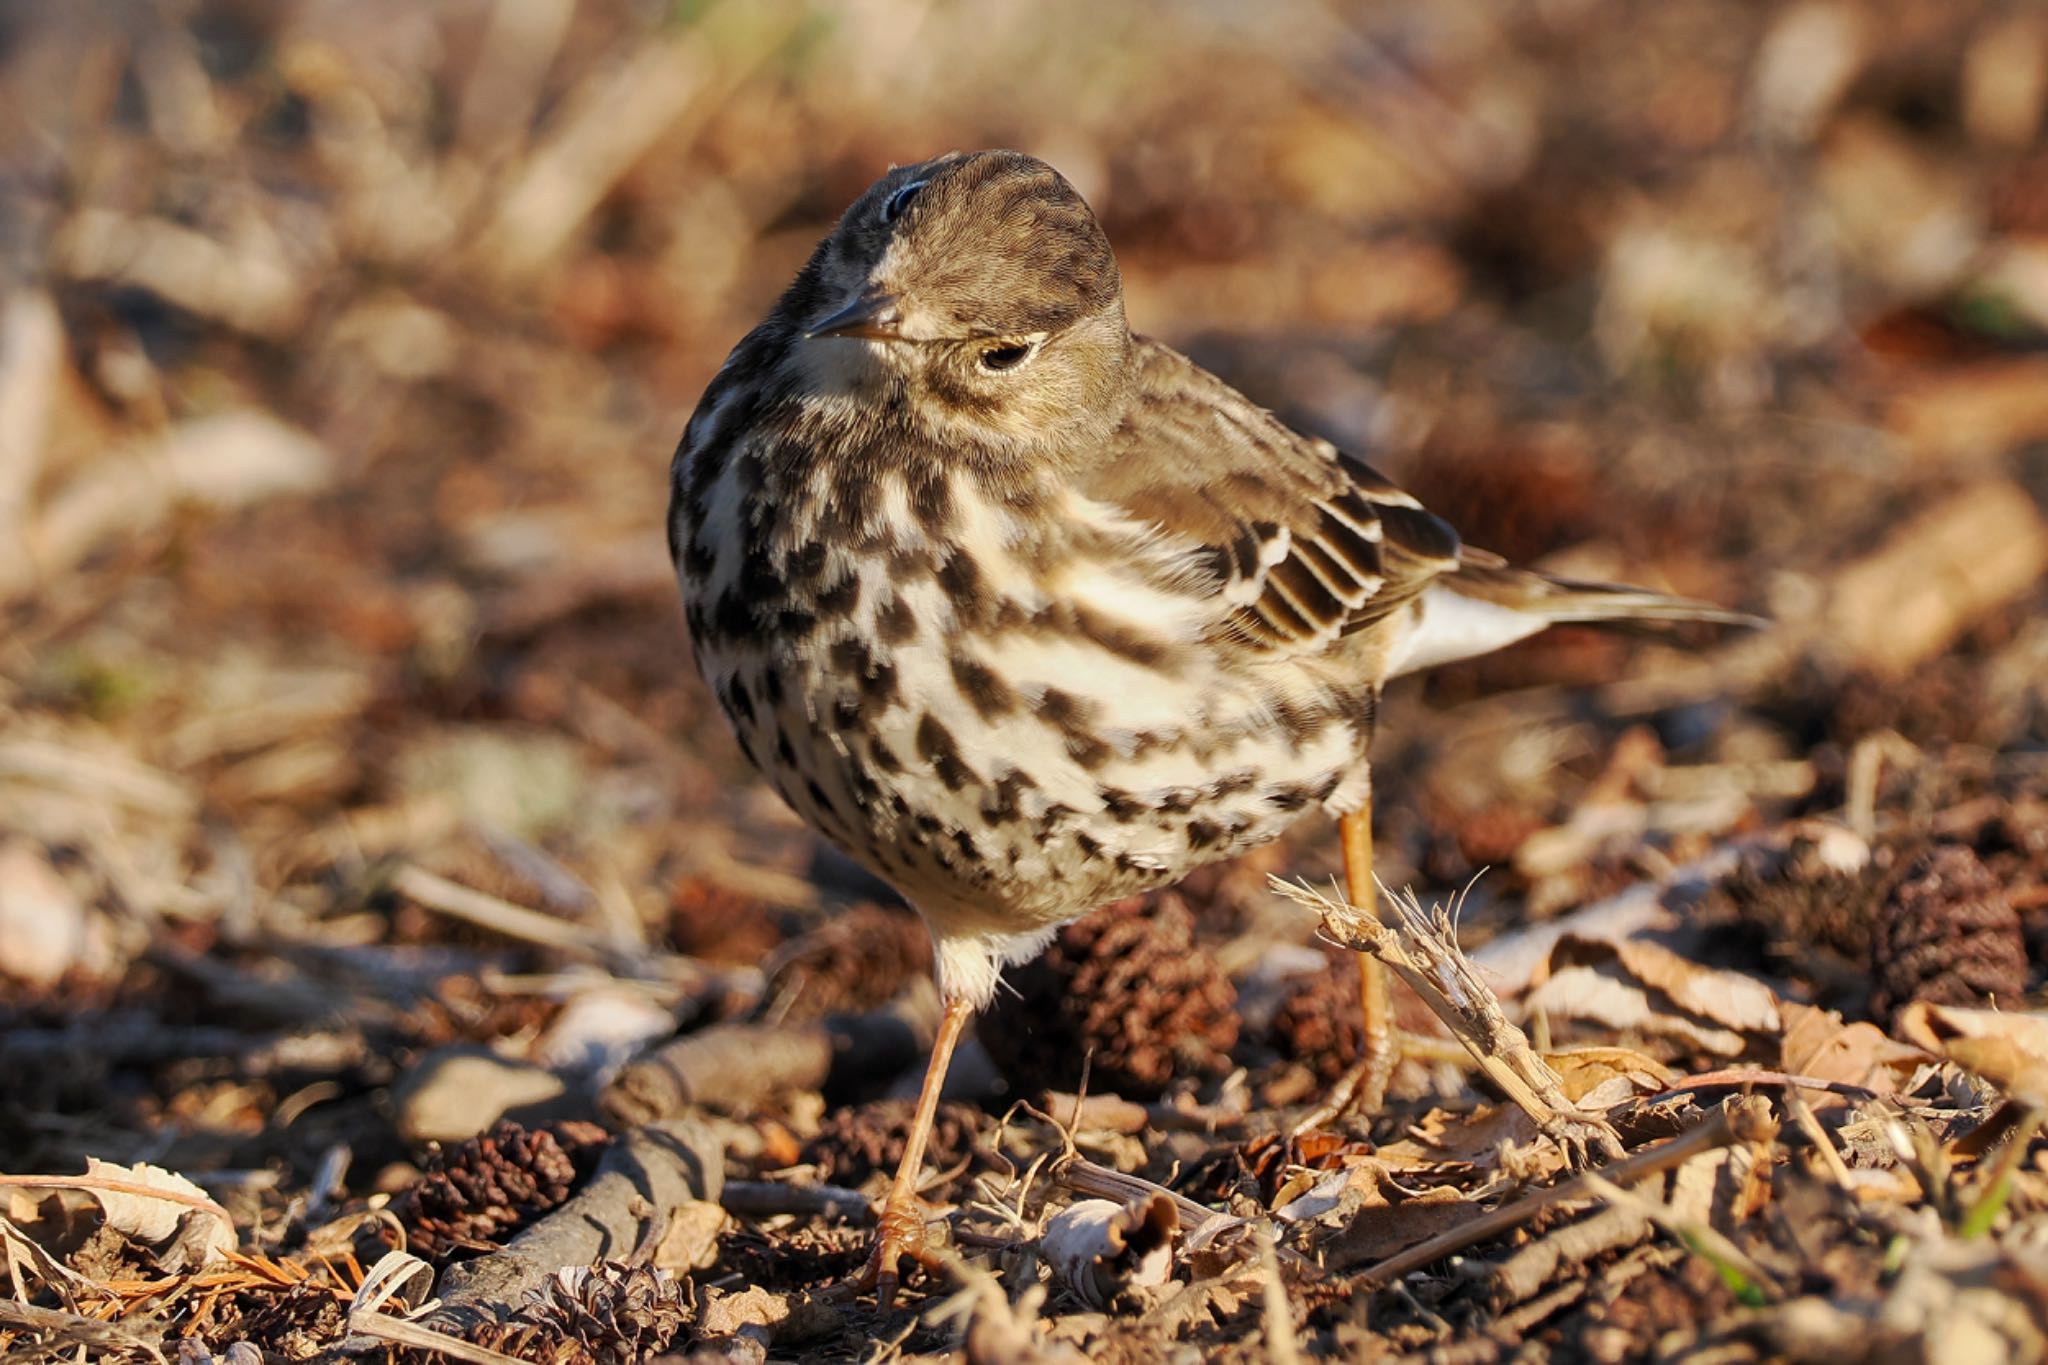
{"points": [[875, 315]]}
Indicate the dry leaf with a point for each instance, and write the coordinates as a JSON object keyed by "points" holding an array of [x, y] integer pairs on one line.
{"points": [[44, 927], [1906, 600], [1727, 998], [2009, 1050], [1583, 1070], [1584, 993], [1819, 1045], [1635, 984], [1099, 1248], [690, 1242], [1389, 1229], [150, 1205]]}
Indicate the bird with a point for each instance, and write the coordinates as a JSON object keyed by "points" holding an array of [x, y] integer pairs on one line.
{"points": [[1027, 612]]}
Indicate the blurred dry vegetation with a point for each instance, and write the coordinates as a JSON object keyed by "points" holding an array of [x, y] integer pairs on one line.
{"points": [[356, 791]]}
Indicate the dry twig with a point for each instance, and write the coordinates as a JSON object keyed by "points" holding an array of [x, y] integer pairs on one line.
{"points": [[1422, 948]]}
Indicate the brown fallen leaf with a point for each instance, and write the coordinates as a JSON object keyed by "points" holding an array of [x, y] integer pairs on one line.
{"points": [[1975, 413], [2009, 1050], [1818, 1044], [1639, 985], [1583, 1070], [1956, 561], [1380, 1231]]}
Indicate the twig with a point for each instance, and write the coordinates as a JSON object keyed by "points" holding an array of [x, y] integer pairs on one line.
{"points": [[31, 353], [489, 912], [1750, 1077], [1277, 1316], [1422, 949], [72, 1327], [224, 461], [729, 1066], [1580, 1243], [403, 1333], [101, 774], [759, 1199], [1741, 1120], [1866, 766], [1802, 1114]]}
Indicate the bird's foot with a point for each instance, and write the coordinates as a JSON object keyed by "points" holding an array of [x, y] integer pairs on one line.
{"points": [[900, 1237], [1360, 1093]]}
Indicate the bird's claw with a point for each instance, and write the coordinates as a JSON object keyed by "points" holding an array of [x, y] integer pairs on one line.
{"points": [[900, 1236]]}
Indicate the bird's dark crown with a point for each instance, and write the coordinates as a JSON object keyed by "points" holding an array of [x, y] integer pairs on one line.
{"points": [[974, 244], [973, 306]]}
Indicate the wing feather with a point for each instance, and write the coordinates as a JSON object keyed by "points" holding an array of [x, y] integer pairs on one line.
{"points": [[1307, 544]]}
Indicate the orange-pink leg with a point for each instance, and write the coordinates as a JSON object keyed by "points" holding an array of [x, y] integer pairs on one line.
{"points": [[1363, 1088], [902, 1231], [1380, 1049]]}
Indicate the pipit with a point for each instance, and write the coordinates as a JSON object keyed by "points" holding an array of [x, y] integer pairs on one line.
{"points": [[1028, 613]]}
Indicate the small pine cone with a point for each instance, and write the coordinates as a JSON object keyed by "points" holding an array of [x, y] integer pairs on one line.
{"points": [[1947, 935], [1127, 986], [1801, 900], [1320, 1023], [855, 1142], [548, 1343], [606, 1314], [859, 960], [482, 1189]]}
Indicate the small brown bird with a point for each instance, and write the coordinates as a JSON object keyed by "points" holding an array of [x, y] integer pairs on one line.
{"points": [[1028, 613]]}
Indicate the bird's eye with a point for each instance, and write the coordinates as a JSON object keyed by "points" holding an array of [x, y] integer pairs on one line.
{"points": [[1000, 358], [899, 200]]}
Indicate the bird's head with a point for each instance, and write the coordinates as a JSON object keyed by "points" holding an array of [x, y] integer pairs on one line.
{"points": [[976, 297]]}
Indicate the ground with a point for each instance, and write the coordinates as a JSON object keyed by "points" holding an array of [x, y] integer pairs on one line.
{"points": [[374, 872]]}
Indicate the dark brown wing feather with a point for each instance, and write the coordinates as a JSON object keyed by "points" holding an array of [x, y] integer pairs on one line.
{"points": [[1306, 544]]}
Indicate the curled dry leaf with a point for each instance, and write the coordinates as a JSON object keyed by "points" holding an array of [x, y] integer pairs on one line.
{"points": [[1099, 1248], [1817, 1044], [2009, 1050], [1642, 986], [150, 1206], [1619, 1072]]}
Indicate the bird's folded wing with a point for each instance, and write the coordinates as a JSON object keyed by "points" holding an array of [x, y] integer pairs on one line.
{"points": [[1303, 543]]}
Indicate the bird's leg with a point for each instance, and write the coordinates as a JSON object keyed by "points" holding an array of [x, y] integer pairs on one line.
{"points": [[1364, 1087], [901, 1232], [1378, 1050]]}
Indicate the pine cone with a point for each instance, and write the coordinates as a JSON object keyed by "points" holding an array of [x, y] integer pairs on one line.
{"points": [[1947, 935], [855, 1142], [859, 960], [1802, 901], [481, 1190], [607, 1314], [1126, 985], [1320, 1022]]}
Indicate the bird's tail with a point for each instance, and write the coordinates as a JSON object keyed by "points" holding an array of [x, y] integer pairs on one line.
{"points": [[1577, 602], [1487, 604], [1572, 601]]}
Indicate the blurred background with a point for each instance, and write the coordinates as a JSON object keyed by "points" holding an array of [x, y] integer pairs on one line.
{"points": [[344, 344]]}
